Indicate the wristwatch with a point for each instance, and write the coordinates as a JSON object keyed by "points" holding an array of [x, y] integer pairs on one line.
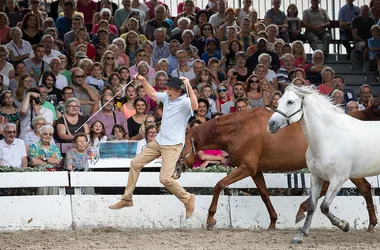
{"points": [[45, 159]]}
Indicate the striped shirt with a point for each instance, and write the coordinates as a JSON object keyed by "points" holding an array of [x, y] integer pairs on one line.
{"points": [[246, 41]]}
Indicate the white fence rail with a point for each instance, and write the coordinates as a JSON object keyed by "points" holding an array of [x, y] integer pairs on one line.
{"points": [[159, 211]]}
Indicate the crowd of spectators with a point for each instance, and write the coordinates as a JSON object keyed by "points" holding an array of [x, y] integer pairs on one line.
{"points": [[61, 68]]}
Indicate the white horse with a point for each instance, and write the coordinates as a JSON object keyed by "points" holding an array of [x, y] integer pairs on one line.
{"points": [[340, 147]]}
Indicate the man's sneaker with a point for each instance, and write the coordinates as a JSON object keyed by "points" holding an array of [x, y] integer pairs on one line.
{"points": [[121, 204]]}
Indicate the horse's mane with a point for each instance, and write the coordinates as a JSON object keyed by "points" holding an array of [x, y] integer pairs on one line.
{"points": [[205, 133], [321, 99]]}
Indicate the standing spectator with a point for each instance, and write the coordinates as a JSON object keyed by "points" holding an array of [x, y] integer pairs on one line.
{"points": [[69, 123], [64, 23], [13, 13], [158, 22], [88, 8], [316, 21], [36, 66], [230, 15], [218, 18], [278, 17], [348, 94], [30, 108], [361, 31], [243, 12], [86, 94], [294, 24], [30, 27], [109, 117], [19, 49], [346, 14], [12, 149]]}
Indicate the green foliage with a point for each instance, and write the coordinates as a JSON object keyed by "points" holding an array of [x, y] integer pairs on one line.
{"points": [[6, 169], [212, 169]]}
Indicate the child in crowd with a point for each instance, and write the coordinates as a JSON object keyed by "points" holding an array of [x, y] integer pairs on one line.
{"points": [[211, 51], [118, 132], [374, 47], [294, 24], [278, 47], [213, 66], [95, 79], [97, 134], [207, 93], [119, 99], [299, 54], [286, 49]]}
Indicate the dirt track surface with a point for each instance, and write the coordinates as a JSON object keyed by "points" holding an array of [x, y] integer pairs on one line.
{"points": [[109, 238]]}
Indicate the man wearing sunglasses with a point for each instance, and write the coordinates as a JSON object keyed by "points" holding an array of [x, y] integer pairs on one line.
{"points": [[12, 149], [168, 143]]}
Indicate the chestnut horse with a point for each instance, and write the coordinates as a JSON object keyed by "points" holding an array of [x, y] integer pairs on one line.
{"points": [[253, 150]]}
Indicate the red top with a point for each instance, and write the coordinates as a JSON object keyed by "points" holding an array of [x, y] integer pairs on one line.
{"points": [[223, 102], [87, 10], [111, 28], [91, 51], [324, 89]]}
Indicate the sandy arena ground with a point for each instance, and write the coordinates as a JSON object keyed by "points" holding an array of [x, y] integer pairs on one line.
{"points": [[109, 238]]}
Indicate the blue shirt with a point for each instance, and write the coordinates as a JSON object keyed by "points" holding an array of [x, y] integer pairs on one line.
{"points": [[160, 52], [205, 56], [175, 115], [173, 63], [373, 43], [347, 13], [63, 25]]}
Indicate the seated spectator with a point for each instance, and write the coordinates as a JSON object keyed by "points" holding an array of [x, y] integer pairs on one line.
{"points": [[254, 92], [96, 79], [294, 24], [60, 80], [337, 98], [327, 81], [278, 45], [183, 69], [105, 15], [63, 71], [277, 17], [345, 16], [207, 93], [71, 122], [97, 134], [44, 153], [34, 136], [266, 60], [12, 149], [352, 106], [375, 10], [118, 132], [207, 32], [121, 58], [211, 51], [132, 24], [105, 4], [36, 66], [43, 95], [6, 68], [229, 59], [238, 91], [201, 112], [81, 38], [216, 71], [25, 83], [188, 10], [108, 116], [272, 33], [245, 37], [148, 120], [30, 108], [141, 55], [348, 94], [252, 60], [361, 31], [283, 73], [276, 95], [134, 122], [128, 109], [8, 108], [206, 158], [77, 158], [150, 134], [316, 21], [241, 104], [299, 82], [313, 70], [365, 96], [31, 28], [241, 69], [192, 51], [262, 72], [157, 22], [230, 17], [64, 22], [54, 95], [71, 35], [243, 12], [231, 36], [20, 69], [299, 54], [48, 41], [200, 19]]}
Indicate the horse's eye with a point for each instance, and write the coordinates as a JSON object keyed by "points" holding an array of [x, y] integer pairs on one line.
{"points": [[290, 102]]}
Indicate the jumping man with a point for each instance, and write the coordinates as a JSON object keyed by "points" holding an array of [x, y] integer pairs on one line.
{"points": [[168, 142]]}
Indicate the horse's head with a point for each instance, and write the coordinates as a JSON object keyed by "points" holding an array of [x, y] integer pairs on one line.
{"points": [[187, 157], [289, 110]]}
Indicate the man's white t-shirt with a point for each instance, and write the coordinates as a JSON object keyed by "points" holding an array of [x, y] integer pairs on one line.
{"points": [[11, 155]]}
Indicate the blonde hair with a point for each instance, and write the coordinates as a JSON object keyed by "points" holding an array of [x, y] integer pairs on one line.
{"points": [[298, 42]]}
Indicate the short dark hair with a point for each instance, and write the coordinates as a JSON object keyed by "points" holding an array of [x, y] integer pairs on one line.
{"points": [[69, 3], [196, 121], [34, 90], [241, 99], [38, 45], [67, 88], [205, 101]]}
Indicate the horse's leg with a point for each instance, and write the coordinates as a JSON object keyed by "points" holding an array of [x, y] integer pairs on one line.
{"points": [[316, 186], [305, 205], [238, 174], [335, 186], [365, 189], [263, 190]]}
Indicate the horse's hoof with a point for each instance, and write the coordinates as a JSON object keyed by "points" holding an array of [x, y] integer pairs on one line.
{"points": [[346, 227], [296, 240], [371, 228], [300, 218], [211, 225]]}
